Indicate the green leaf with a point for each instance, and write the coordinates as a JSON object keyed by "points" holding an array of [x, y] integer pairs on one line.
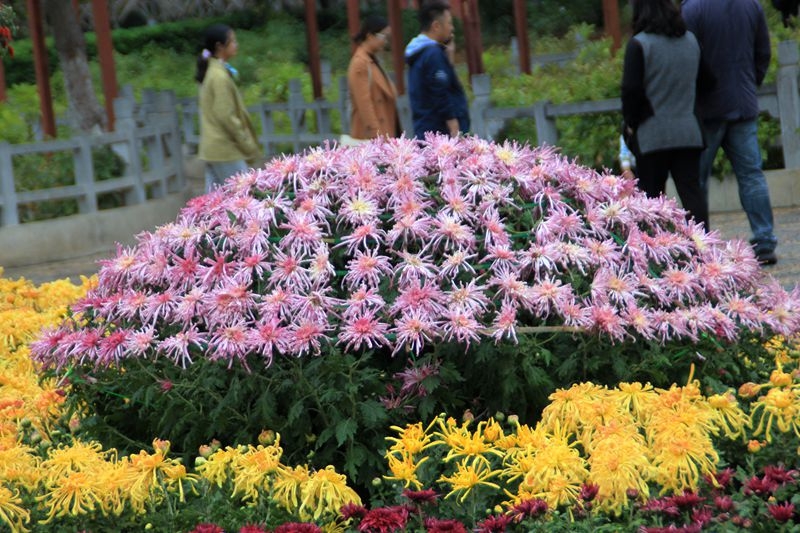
{"points": [[345, 430]]}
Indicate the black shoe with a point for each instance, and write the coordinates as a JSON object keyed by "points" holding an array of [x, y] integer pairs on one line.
{"points": [[767, 257]]}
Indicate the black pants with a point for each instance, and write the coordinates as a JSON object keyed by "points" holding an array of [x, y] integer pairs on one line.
{"points": [[683, 164]]}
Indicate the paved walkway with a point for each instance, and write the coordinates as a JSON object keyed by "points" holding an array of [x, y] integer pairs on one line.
{"points": [[731, 225]]}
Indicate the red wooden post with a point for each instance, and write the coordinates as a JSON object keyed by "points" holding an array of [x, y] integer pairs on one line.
{"points": [[398, 59], [472, 20], [42, 71], [105, 51], [611, 23], [353, 21], [523, 45], [312, 35]]}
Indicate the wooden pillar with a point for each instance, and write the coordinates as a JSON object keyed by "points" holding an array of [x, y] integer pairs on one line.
{"points": [[353, 22], [472, 30], [312, 36], [521, 27], [105, 51], [611, 23], [42, 71], [398, 46]]}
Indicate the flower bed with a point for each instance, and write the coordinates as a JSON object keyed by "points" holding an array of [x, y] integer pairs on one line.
{"points": [[598, 456], [332, 296]]}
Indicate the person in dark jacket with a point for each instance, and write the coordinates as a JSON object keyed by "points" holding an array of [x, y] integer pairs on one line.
{"points": [[438, 102], [735, 41], [661, 72]]}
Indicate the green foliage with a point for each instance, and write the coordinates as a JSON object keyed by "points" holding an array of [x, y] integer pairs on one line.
{"points": [[326, 409]]}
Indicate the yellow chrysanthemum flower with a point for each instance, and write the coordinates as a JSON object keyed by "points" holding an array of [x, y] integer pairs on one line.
{"points": [[11, 511], [176, 477], [286, 488], [727, 414], [568, 407], [404, 468], [412, 439], [77, 493], [682, 456], [636, 398], [618, 462], [325, 492], [19, 465], [781, 407], [253, 470], [461, 442], [78, 457], [215, 468], [468, 475], [557, 471]]}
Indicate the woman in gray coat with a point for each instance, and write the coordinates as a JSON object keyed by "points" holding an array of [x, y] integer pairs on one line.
{"points": [[659, 82]]}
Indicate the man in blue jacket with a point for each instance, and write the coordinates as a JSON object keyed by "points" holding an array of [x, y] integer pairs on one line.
{"points": [[735, 42], [438, 102]]}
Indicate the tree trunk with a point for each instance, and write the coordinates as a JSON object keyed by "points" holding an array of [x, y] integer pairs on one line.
{"points": [[84, 107]]}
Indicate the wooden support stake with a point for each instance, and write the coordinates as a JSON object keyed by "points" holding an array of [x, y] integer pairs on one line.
{"points": [[42, 71], [521, 27], [398, 59], [312, 35], [105, 51]]}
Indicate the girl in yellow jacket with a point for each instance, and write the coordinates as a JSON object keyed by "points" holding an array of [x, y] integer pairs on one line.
{"points": [[228, 142]]}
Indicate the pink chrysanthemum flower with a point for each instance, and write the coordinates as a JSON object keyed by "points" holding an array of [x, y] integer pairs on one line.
{"points": [[367, 268], [363, 329], [413, 329]]}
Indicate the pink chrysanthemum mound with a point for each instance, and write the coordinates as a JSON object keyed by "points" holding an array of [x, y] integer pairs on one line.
{"points": [[396, 245]]}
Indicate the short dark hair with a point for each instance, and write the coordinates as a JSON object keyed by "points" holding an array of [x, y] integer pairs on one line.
{"points": [[371, 25], [430, 11], [662, 17]]}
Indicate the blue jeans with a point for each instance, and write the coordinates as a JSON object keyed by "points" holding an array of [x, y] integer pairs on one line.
{"points": [[739, 141], [219, 171]]}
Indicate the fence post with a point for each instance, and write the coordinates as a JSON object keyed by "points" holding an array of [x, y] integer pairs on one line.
{"points": [[789, 102], [297, 115], [127, 149], [344, 98], [546, 132], [84, 175], [175, 146], [7, 188], [481, 89]]}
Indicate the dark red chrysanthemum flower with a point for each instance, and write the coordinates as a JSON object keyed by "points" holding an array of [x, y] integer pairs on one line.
{"points": [[779, 474], [351, 510], [384, 520], [588, 492], [760, 486], [724, 503], [494, 524], [702, 516], [528, 509], [781, 512], [436, 525], [687, 500], [421, 496], [723, 478]]}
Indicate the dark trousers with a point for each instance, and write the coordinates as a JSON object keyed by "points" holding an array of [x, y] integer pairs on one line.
{"points": [[683, 164]]}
